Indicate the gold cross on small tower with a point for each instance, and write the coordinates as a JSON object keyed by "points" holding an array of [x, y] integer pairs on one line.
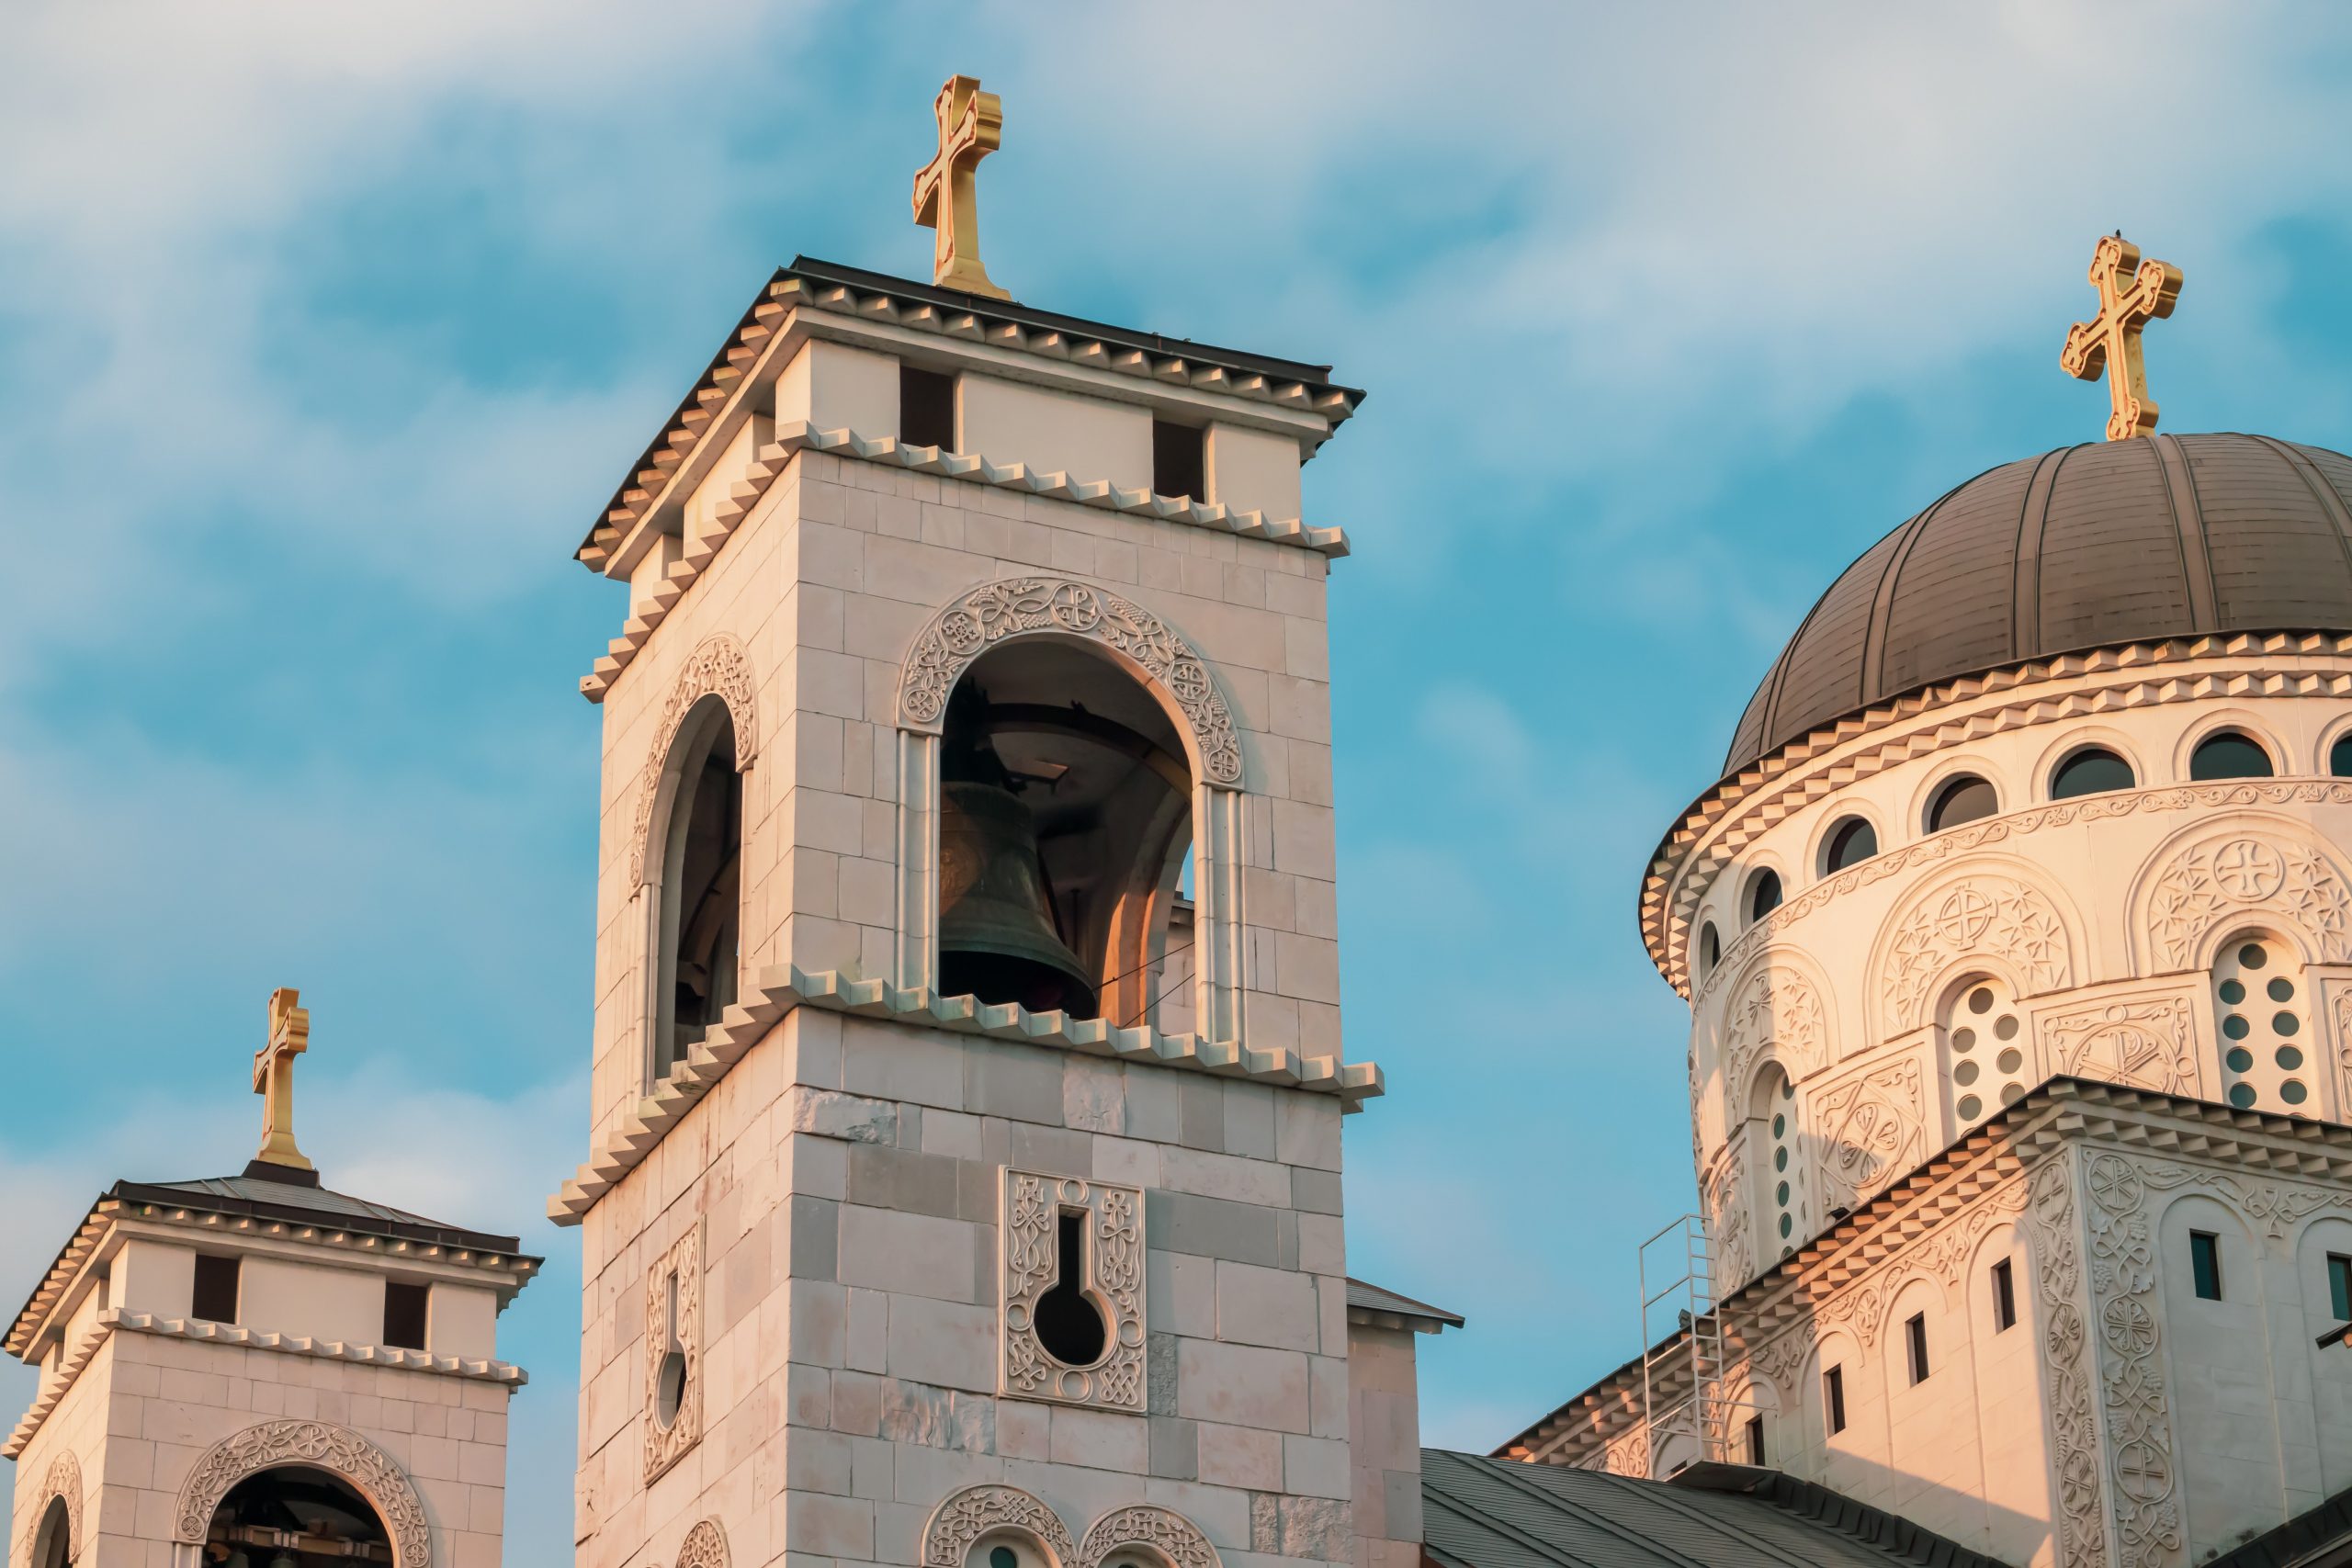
{"points": [[2111, 339], [290, 1036], [971, 126]]}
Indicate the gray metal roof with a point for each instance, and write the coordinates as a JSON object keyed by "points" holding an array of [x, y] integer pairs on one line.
{"points": [[1362, 1297], [1490, 1513], [2087, 546], [298, 1201]]}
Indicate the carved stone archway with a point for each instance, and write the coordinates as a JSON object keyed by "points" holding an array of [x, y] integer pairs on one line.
{"points": [[719, 667], [1068, 608], [310, 1445], [705, 1546], [1159, 1532], [62, 1482], [963, 1517]]}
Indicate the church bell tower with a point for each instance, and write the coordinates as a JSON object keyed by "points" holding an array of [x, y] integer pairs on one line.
{"points": [[964, 1184]]}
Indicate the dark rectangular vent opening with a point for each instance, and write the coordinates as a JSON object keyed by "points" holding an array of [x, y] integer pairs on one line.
{"points": [[404, 1314], [216, 1288], [1179, 464], [926, 408]]}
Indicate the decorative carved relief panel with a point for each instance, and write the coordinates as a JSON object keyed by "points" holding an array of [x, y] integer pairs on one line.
{"points": [[705, 1546], [1872, 1130], [320, 1446], [2140, 1461], [990, 613], [63, 1479], [2073, 1424], [2251, 874], [1987, 916], [2147, 1044], [964, 1518], [1776, 1008], [1152, 1531], [1053, 1225], [673, 1353]]}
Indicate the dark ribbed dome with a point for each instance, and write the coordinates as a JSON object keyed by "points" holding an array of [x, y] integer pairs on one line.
{"points": [[2114, 542]]}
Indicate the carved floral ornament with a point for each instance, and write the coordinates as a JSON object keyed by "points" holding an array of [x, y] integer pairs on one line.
{"points": [[705, 1546], [718, 667], [61, 1480], [1033, 1205], [313, 1445], [1021, 606], [1780, 1010], [2244, 873], [1988, 916], [966, 1517]]}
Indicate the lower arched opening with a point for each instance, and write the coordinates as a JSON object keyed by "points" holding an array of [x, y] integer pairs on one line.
{"points": [[292, 1516]]}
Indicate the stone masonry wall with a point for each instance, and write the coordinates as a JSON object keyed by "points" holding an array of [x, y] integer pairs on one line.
{"points": [[846, 1177]]}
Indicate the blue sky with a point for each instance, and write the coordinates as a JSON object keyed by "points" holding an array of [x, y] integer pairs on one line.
{"points": [[325, 330]]}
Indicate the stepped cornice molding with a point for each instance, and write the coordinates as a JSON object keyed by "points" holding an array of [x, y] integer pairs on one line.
{"points": [[1993, 1159], [117, 1320], [772, 460], [783, 987], [891, 313], [1732, 814]]}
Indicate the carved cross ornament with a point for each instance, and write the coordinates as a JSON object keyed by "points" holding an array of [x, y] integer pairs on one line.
{"points": [[971, 126], [290, 1036], [2109, 340]]}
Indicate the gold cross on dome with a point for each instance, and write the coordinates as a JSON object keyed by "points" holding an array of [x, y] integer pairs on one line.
{"points": [[290, 1036], [971, 126], [2111, 339]]}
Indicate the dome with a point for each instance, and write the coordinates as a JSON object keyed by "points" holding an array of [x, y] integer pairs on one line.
{"points": [[2087, 546]]}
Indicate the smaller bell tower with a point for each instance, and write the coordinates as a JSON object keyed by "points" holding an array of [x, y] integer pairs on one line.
{"points": [[254, 1370], [963, 1186]]}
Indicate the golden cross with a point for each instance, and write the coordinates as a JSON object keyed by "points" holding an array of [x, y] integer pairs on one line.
{"points": [[971, 126], [290, 1036], [2111, 339]]}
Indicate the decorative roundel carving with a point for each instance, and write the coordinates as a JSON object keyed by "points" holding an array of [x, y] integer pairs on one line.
{"points": [[336, 1449], [1160, 1532], [705, 1546], [963, 1517], [719, 666], [1022, 605]]}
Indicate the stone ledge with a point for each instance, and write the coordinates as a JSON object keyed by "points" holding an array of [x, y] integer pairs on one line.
{"points": [[115, 1319], [783, 987], [889, 452]]}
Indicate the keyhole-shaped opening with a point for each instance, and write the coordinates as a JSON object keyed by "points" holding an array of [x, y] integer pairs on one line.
{"points": [[671, 1388], [1069, 1326]]}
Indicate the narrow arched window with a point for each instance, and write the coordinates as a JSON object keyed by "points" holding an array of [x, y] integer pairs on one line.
{"points": [[1775, 1156], [1763, 895], [2228, 754], [1710, 950], [1964, 799], [701, 896], [2094, 769], [2339, 756], [1851, 843], [2261, 1007], [1986, 1059]]}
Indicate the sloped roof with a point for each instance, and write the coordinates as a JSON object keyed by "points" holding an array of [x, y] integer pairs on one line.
{"points": [[1375, 1303], [283, 1200], [1490, 1513]]}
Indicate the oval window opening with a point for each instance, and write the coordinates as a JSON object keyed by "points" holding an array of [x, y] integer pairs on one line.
{"points": [[2094, 769]]}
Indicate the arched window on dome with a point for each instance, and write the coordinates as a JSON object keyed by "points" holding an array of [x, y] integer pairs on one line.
{"points": [[1710, 950], [1962, 799], [1763, 895], [2339, 756], [2094, 769], [1850, 843], [1979, 1036], [1777, 1165], [2261, 1007], [2228, 754]]}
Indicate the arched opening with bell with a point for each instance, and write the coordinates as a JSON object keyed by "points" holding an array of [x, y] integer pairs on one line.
{"points": [[1065, 822], [295, 1516]]}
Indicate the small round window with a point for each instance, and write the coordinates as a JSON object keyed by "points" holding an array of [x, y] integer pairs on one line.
{"points": [[1763, 895], [1964, 799], [2229, 755], [2094, 769], [1851, 843]]}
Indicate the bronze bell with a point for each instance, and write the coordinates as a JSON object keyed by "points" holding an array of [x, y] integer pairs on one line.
{"points": [[997, 940]]}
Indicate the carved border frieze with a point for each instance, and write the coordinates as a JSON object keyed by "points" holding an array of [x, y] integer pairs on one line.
{"points": [[1017, 606], [2074, 1426], [320, 1446], [718, 666], [963, 1517], [1033, 1206], [665, 1445], [2138, 1422]]}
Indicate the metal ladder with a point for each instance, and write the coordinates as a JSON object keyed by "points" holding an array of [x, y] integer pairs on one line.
{"points": [[1684, 1393]]}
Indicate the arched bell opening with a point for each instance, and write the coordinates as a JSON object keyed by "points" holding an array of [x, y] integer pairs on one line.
{"points": [[293, 1516], [1065, 819], [697, 870], [54, 1542]]}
